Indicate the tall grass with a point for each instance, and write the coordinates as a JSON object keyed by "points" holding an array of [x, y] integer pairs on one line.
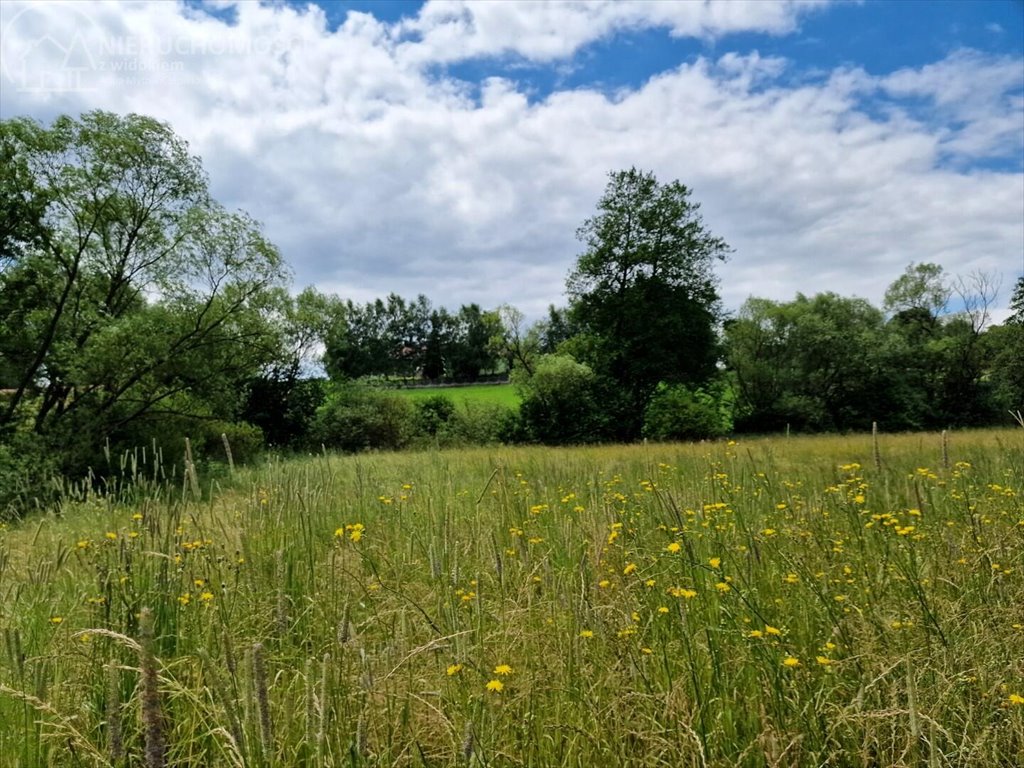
{"points": [[767, 602]]}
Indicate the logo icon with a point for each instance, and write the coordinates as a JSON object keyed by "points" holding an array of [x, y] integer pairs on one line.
{"points": [[46, 49]]}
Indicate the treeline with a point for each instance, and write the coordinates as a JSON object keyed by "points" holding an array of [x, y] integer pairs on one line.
{"points": [[135, 310]]}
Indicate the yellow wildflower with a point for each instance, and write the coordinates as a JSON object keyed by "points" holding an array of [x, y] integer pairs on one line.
{"points": [[496, 686]]}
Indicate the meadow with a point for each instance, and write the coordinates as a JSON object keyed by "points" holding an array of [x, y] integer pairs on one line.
{"points": [[496, 394], [760, 602]]}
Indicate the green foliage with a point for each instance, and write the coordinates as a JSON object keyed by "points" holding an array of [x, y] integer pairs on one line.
{"points": [[246, 441], [561, 402], [433, 414], [644, 290], [355, 418], [284, 409], [1017, 303], [134, 301], [1004, 351], [677, 412], [396, 338], [921, 287], [811, 363], [27, 469]]}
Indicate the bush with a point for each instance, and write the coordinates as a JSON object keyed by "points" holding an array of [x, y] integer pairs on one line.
{"points": [[679, 413], [561, 402], [433, 415], [483, 424], [246, 441], [354, 418], [27, 467]]}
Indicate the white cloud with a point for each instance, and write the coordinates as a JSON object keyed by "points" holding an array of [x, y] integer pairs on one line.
{"points": [[451, 30], [374, 175]]}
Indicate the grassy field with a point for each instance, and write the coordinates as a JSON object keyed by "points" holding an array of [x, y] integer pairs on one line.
{"points": [[760, 603], [498, 394]]}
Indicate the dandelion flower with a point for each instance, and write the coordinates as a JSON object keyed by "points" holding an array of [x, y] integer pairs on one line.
{"points": [[453, 669], [715, 562], [56, 619], [1016, 699], [722, 587], [496, 686], [503, 669], [629, 569], [586, 633], [823, 660], [791, 661], [674, 547]]}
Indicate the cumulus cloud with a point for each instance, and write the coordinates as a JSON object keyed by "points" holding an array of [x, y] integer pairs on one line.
{"points": [[375, 170], [451, 30]]}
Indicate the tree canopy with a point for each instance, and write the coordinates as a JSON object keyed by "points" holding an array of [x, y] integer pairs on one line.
{"points": [[125, 290], [644, 290]]}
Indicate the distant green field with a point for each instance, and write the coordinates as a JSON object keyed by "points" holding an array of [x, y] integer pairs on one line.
{"points": [[500, 394]]}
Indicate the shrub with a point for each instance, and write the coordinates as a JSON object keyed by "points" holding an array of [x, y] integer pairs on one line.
{"points": [[26, 468], [433, 415], [678, 412], [355, 418], [246, 441], [560, 403]]}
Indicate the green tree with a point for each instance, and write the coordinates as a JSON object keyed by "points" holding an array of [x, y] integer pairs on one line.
{"points": [[921, 287], [1017, 303], [644, 291], [470, 352], [814, 363], [133, 296]]}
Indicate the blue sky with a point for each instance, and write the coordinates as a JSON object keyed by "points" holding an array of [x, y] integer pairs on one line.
{"points": [[452, 148]]}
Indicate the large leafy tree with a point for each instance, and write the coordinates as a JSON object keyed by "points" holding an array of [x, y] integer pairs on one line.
{"points": [[126, 292], [643, 293], [814, 363]]}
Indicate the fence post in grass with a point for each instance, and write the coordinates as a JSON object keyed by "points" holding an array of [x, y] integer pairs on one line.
{"points": [[190, 469], [153, 727], [945, 450], [115, 742], [227, 451], [874, 446]]}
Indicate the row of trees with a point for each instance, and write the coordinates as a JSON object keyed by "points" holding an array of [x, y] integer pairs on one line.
{"points": [[133, 306]]}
